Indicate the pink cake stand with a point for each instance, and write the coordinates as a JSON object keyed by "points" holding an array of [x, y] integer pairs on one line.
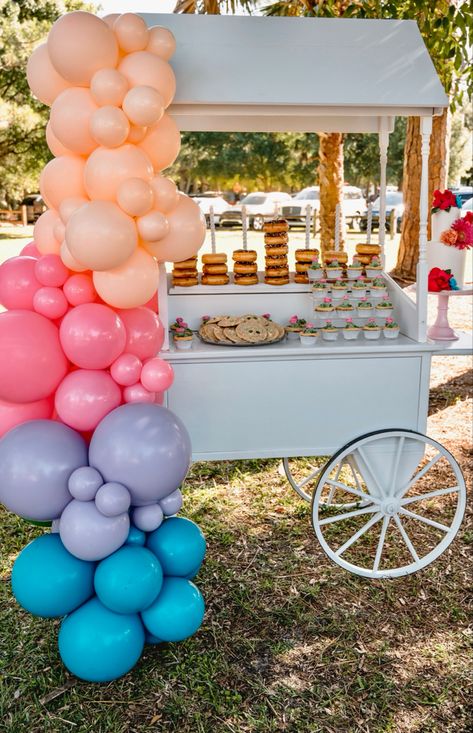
{"points": [[441, 329]]}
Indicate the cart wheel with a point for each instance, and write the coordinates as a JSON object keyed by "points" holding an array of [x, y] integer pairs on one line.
{"points": [[303, 474], [410, 496]]}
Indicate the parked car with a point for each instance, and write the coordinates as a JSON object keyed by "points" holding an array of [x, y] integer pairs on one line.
{"points": [[260, 206], [353, 204], [35, 206], [465, 193], [394, 203], [467, 206], [205, 201]]}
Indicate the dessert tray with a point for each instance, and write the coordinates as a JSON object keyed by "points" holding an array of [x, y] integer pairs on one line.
{"points": [[247, 330]]}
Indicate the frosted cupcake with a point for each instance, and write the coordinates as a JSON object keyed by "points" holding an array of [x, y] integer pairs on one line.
{"points": [[295, 326], [371, 330], [384, 307], [350, 330], [358, 287], [329, 332], [315, 271], [339, 289], [183, 336], [334, 270], [391, 329], [378, 288], [345, 306], [364, 308], [354, 270], [309, 335], [374, 268], [325, 307]]}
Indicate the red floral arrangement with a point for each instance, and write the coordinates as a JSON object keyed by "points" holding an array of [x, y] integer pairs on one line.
{"points": [[441, 280], [460, 234], [443, 201]]}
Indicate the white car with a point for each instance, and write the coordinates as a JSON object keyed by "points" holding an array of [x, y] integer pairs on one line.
{"points": [[467, 206], [205, 202], [259, 206], [353, 204]]}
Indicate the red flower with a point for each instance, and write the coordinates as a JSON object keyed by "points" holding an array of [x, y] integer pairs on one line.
{"points": [[443, 200], [469, 217], [439, 280]]}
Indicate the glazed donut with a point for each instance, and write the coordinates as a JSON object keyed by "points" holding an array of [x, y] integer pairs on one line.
{"points": [[302, 267], [217, 258], [333, 254], [276, 225], [281, 238], [368, 249], [276, 280], [244, 255], [245, 268], [364, 259], [215, 269], [277, 272], [184, 273], [246, 279], [215, 279], [300, 278], [188, 264], [185, 282], [275, 261], [306, 255], [275, 250]]}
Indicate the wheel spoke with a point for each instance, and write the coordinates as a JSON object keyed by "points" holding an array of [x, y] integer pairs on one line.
{"points": [[358, 534], [355, 475], [419, 475], [430, 522], [430, 495], [362, 494], [332, 489], [382, 537], [400, 446], [406, 539], [369, 467], [348, 515], [308, 478]]}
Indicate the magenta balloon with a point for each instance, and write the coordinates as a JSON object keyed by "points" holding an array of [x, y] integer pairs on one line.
{"points": [[50, 271], [157, 375], [79, 289], [30, 250], [32, 362], [50, 302], [92, 336], [144, 332], [126, 370], [13, 414], [18, 283], [84, 397]]}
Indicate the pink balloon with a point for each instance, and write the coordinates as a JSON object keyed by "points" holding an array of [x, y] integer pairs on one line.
{"points": [[30, 250], [143, 106], [131, 32], [84, 397], [43, 79], [13, 414], [70, 118], [161, 42], [144, 332], [162, 143], [68, 206], [137, 393], [69, 261], [131, 284], [135, 196], [18, 283], [186, 233], [43, 233], [55, 146], [152, 226], [157, 375], [92, 336], [137, 134], [109, 126], [62, 178], [159, 398], [100, 236], [108, 87], [152, 304], [126, 370], [106, 169], [79, 289], [143, 68], [32, 362], [50, 302], [166, 195], [79, 44], [49, 270]]}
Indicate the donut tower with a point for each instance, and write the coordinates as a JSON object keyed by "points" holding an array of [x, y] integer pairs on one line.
{"points": [[245, 267], [275, 244], [184, 274]]}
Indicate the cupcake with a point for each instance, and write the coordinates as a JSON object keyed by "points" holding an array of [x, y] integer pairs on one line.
{"points": [[295, 326], [384, 307], [325, 306], [334, 270], [309, 335], [364, 308], [329, 332], [315, 271], [391, 329], [182, 336], [378, 288], [350, 330], [358, 287], [374, 267], [345, 306], [371, 330], [354, 270], [339, 288]]}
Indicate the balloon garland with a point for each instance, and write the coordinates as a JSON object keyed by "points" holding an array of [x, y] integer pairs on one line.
{"points": [[86, 444]]}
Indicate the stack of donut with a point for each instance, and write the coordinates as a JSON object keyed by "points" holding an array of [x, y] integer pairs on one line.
{"points": [[245, 269], [275, 244], [304, 259], [184, 274], [333, 254], [366, 252], [215, 270]]}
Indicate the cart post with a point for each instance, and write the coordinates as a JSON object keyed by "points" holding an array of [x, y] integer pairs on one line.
{"points": [[383, 161], [425, 129]]}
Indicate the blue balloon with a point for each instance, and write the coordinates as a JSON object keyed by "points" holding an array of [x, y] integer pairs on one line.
{"points": [[48, 581], [150, 639], [136, 537], [99, 645], [177, 612], [179, 546], [129, 580]]}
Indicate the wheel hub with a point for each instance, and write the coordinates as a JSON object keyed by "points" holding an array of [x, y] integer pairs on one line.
{"points": [[390, 506]]}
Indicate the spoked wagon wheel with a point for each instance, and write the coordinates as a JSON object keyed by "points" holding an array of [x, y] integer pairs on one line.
{"points": [[303, 475], [410, 496]]}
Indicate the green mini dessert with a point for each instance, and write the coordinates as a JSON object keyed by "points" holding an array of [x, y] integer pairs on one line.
{"points": [[364, 305], [325, 306], [345, 305]]}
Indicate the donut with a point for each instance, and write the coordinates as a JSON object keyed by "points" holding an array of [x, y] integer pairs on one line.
{"points": [[277, 272], [185, 282], [246, 279], [215, 269], [191, 272], [276, 239], [274, 250], [216, 258], [276, 280], [306, 255], [190, 263], [364, 259], [244, 255], [368, 249], [334, 254], [276, 225], [245, 268], [215, 279], [302, 266], [280, 261], [300, 278]]}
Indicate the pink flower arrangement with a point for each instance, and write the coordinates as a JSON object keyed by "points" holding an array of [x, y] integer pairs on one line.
{"points": [[293, 319], [309, 325], [204, 318], [267, 316], [327, 300], [443, 200], [389, 320], [460, 234], [348, 320]]}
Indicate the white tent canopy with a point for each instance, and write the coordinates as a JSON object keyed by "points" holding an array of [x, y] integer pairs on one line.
{"points": [[244, 73]]}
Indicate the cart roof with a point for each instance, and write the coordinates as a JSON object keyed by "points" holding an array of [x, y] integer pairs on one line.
{"points": [[298, 74]]}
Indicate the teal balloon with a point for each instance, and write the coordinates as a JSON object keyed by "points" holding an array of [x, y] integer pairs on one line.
{"points": [[179, 546], [129, 580], [99, 645], [136, 537], [48, 581], [150, 639], [177, 612]]}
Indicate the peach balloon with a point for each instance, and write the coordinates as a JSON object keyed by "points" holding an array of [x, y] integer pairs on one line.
{"points": [[107, 168], [62, 178], [161, 42], [56, 147], [68, 206], [110, 19], [153, 226], [131, 32], [108, 87], [109, 126], [59, 231], [100, 235], [68, 260], [137, 134], [43, 233], [70, 118], [162, 143], [186, 233], [143, 106], [166, 195], [135, 196], [143, 68], [79, 44], [43, 79], [130, 285]]}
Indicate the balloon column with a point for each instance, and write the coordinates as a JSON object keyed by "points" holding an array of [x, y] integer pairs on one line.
{"points": [[86, 443]]}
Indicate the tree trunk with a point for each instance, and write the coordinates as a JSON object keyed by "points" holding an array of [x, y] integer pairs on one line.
{"points": [[331, 186]]}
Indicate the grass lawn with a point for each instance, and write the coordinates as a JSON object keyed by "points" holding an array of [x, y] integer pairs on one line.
{"points": [[290, 642]]}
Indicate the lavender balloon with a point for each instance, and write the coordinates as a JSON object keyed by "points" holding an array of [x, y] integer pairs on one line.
{"points": [[88, 534], [171, 504], [143, 446], [36, 461]]}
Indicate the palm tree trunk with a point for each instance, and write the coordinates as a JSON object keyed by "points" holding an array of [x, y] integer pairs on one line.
{"points": [[331, 185]]}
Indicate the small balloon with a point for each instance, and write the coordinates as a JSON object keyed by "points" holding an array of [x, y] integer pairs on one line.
{"points": [[126, 370], [88, 535], [186, 235], [92, 336], [50, 302], [50, 271], [172, 503], [143, 68], [137, 393], [136, 134], [131, 32], [112, 499], [143, 105], [60, 179], [144, 332], [135, 196], [109, 126], [84, 397], [153, 226], [79, 289], [18, 283], [136, 537], [44, 237], [30, 250], [161, 42], [162, 143], [179, 546], [69, 261], [165, 193], [84, 483], [148, 518], [108, 87], [129, 580], [59, 231], [69, 205], [177, 612], [157, 375], [70, 118]]}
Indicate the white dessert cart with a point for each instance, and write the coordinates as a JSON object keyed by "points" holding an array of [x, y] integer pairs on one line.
{"points": [[389, 500]]}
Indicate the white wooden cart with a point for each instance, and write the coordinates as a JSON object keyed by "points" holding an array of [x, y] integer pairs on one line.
{"points": [[389, 500]]}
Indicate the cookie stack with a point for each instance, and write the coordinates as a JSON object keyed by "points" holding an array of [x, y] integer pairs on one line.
{"points": [[275, 244], [304, 259], [184, 274], [215, 270], [245, 268], [249, 330]]}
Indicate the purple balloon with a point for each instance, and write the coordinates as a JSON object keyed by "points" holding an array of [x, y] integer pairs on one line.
{"points": [[36, 461], [148, 518], [88, 535], [112, 499], [84, 483], [143, 446], [171, 504]]}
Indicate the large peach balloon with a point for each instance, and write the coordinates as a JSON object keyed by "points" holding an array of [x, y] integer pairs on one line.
{"points": [[162, 143], [166, 195], [100, 235], [43, 79], [106, 169], [55, 146], [135, 196], [62, 178], [130, 285], [108, 86], [186, 233], [109, 126], [68, 206], [145, 69], [70, 119], [161, 42], [79, 44], [44, 237], [69, 261], [143, 106], [131, 32]]}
